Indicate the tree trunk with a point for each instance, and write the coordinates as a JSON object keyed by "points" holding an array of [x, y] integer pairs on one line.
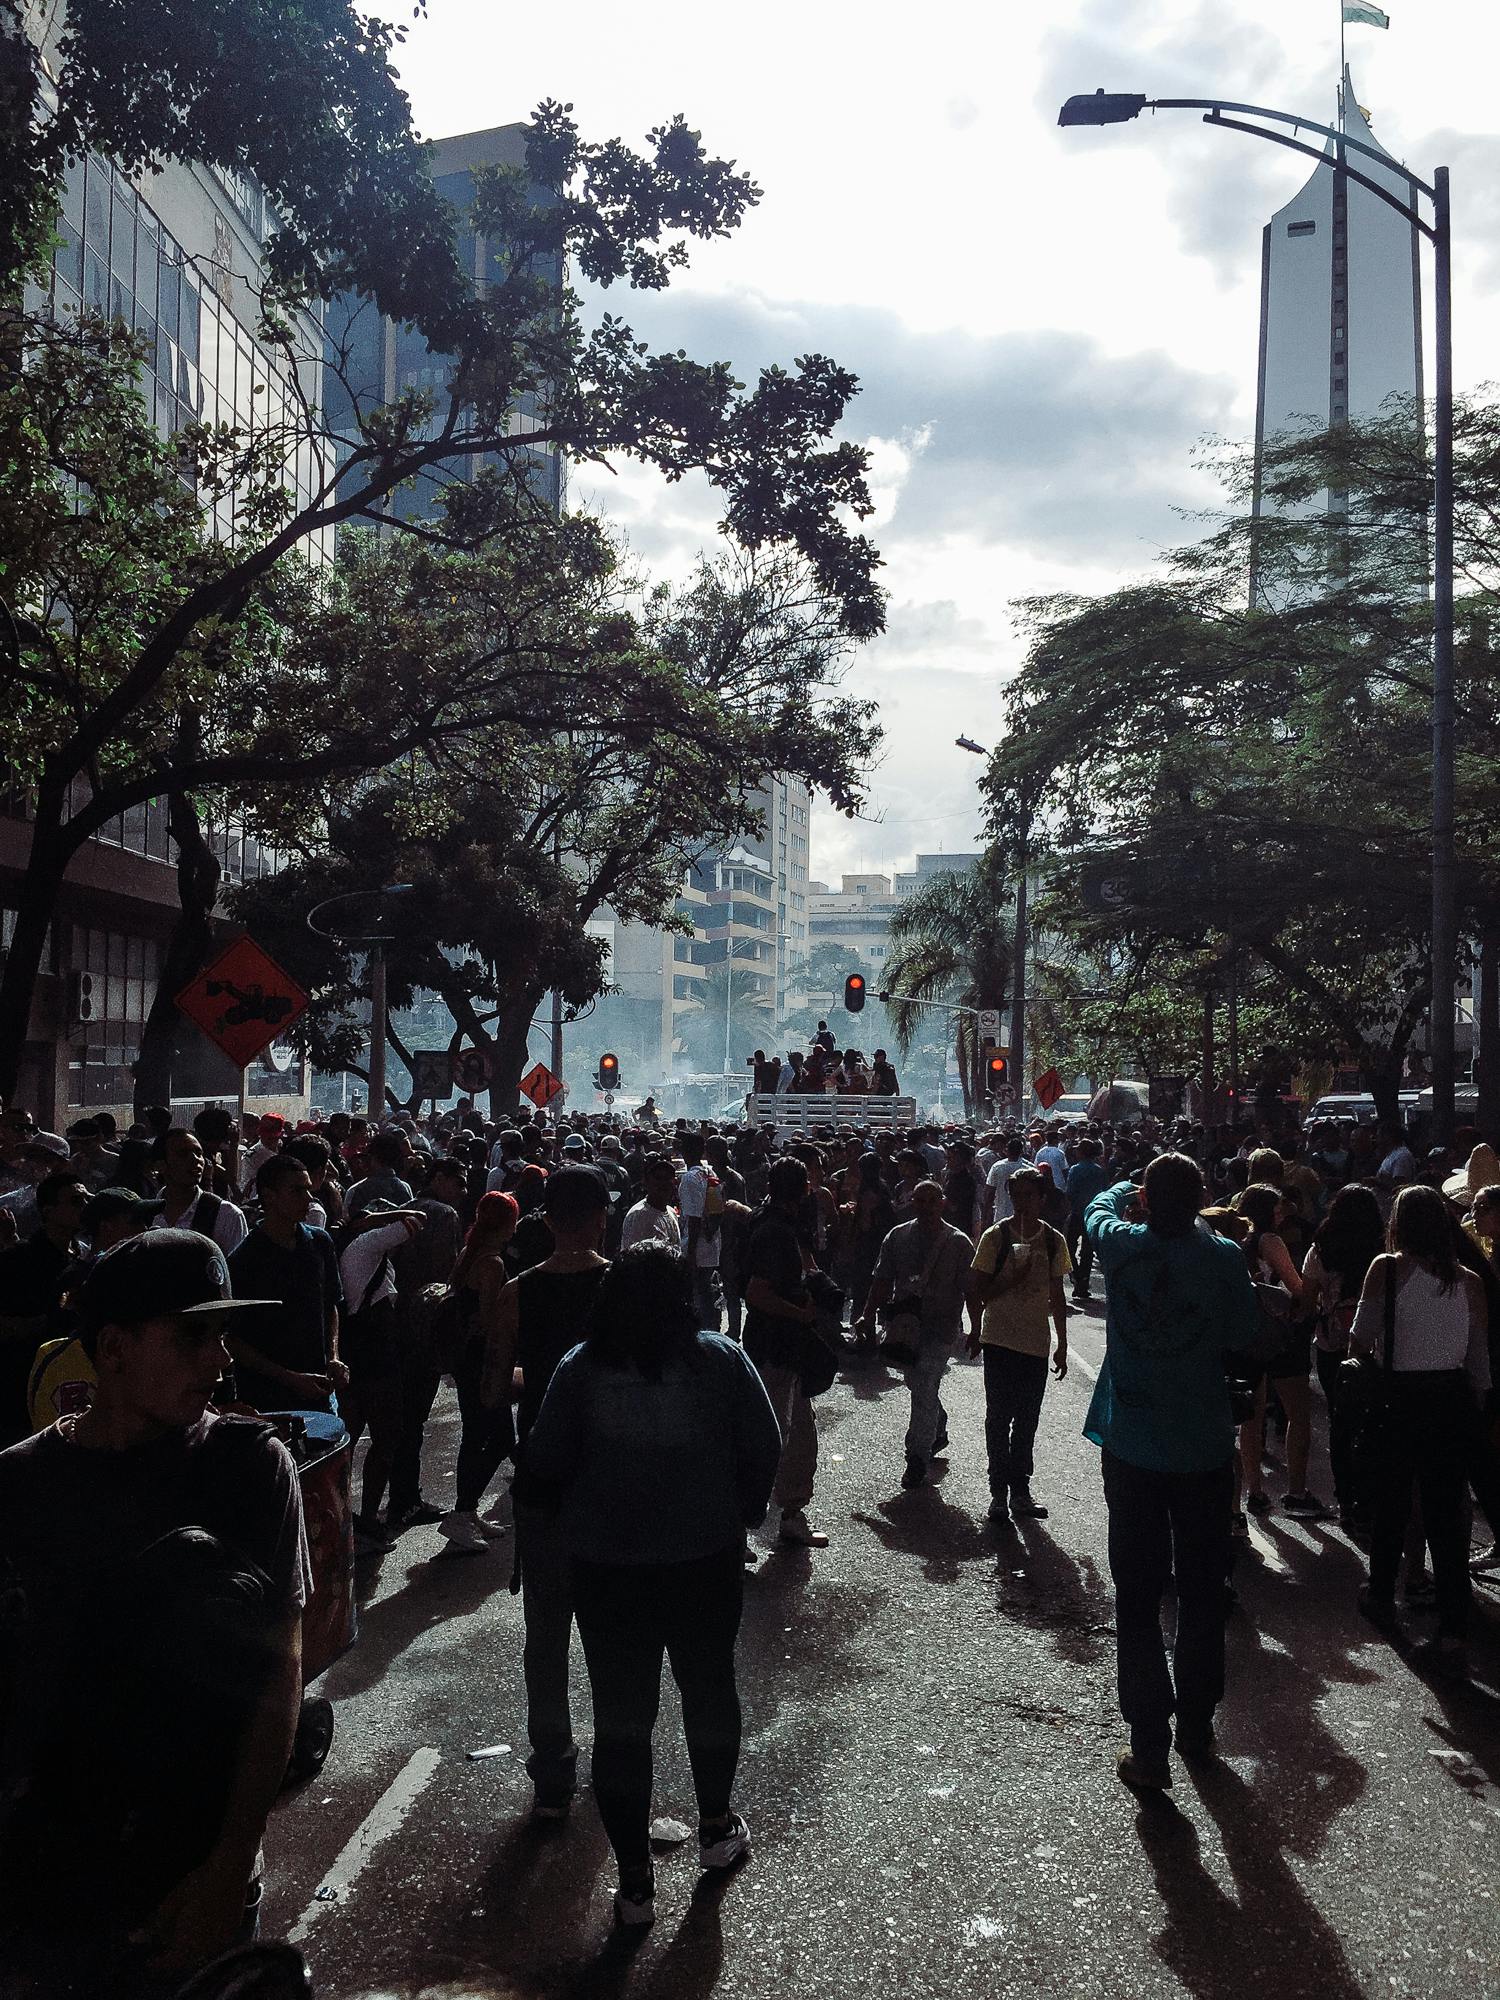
{"points": [[1384, 1085], [46, 866], [198, 877]]}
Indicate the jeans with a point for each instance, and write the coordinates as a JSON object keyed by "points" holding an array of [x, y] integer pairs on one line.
{"points": [[1429, 1429], [547, 1606], [420, 1377], [488, 1437], [1168, 1524], [1340, 1445], [799, 1438], [924, 1378], [708, 1298], [1014, 1385], [628, 1616], [1081, 1250]]}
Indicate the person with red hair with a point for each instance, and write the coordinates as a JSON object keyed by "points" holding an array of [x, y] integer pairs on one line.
{"points": [[488, 1436]]}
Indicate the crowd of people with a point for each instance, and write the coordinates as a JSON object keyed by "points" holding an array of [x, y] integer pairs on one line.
{"points": [[639, 1319]]}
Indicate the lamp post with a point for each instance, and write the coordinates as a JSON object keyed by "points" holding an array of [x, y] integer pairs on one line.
{"points": [[371, 930], [1115, 108], [1018, 979]]}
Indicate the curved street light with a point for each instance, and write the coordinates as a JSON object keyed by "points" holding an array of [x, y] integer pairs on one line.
{"points": [[1118, 107], [372, 930]]}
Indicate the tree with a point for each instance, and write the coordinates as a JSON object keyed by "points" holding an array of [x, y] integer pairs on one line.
{"points": [[951, 942], [127, 614], [1254, 770]]}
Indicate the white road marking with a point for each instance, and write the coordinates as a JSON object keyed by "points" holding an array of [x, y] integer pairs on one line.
{"points": [[389, 1810]]}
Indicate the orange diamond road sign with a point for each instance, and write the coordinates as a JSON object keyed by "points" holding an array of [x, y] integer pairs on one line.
{"points": [[1048, 1088], [540, 1085], [242, 1001]]}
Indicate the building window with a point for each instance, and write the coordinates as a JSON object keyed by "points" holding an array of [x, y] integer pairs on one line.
{"points": [[1302, 229]]}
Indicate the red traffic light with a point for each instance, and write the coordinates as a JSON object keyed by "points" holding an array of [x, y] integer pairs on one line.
{"points": [[609, 1072], [854, 992], [997, 1070]]}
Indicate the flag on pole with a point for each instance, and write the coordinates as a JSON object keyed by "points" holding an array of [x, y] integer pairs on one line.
{"points": [[1366, 15]]}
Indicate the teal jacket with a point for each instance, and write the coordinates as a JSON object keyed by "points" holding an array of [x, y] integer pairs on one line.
{"points": [[1176, 1306]]}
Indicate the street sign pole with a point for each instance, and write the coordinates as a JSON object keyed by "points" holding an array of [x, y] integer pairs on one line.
{"points": [[376, 1105]]}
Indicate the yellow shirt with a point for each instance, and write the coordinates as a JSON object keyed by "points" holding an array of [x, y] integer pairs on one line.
{"points": [[1019, 1317]]}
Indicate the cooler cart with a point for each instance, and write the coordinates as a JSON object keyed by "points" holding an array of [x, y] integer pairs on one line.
{"points": [[330, 1620]]}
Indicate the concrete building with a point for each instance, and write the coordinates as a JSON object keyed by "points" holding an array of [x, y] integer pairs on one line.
{"points": [[177, 256], [1341, 307], [858, 914]]}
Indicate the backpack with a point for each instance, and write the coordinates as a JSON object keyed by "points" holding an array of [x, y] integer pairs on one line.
{"points": [[205, 1213]]}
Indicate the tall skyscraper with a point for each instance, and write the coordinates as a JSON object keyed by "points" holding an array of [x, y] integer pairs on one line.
{"points": [[1340, 302]]}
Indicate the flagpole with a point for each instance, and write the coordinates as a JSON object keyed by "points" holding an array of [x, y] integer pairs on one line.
{"points": [[1343, 61]]}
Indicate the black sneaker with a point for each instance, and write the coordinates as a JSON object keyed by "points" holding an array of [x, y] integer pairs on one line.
{"points": [[418, 1514], [940, 1445], [1195, 1739], [916, 1471], [1023, 1507], [1258, 1503]]}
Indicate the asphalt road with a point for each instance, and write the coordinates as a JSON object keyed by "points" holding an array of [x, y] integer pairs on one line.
{"points": [[928, 1772]]}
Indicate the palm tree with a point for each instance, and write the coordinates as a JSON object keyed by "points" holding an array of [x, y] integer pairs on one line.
{"points": [[752, 1020], [952, 940]]}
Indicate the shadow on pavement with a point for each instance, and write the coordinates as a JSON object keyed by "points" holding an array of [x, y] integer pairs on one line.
{"points": [[435, 1591], [1215, 1943], [1039, 1585], [922, 1523]]}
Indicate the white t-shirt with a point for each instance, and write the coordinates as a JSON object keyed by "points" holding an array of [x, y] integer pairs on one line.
{"points": [[999, 1185], [360, 1262], [692, 1199], [645, 1224], [1055, 1160], [229, 1228], [1400, 1164]]}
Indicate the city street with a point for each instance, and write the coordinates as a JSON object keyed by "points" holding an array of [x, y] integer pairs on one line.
{"points": [[928, 1771]]}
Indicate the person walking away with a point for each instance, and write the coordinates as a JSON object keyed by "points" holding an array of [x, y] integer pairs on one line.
{"points": [[1482, 1227], [996, 1200], [1272, 1266], [871, 1217], [539, 1319], [423, 1268], [286, 1352], [1178, 1301], [921, 1273], [1086, 1178], [372, 1396], [1015, 1287], [663, 1445], [1421, 1316], [1349, 1239], [779, 1318], [488, 1435], [700, 1206]]}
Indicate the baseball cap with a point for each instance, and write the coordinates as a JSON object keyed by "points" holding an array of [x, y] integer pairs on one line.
{"points": [[164, 1272], [574, 1143], [52, 1143], [115, 1201]]}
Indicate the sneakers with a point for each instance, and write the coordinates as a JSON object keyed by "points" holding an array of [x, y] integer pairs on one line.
{"points": [[549, 1811], [371, 1539], [419, 1514], [998, 1511], [1195, 1739], [727, 1846], [1143, 1774], [1304, 1506], [635, 1900], [464, 1535], [1258, 1503], [914, 1475], [798, 1531], [490, 1522], [1023, 1507], [1082, 1298]]}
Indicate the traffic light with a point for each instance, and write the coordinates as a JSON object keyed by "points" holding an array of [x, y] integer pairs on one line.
{"points": [[997, 1070], [608, 1076], [854, 992]]}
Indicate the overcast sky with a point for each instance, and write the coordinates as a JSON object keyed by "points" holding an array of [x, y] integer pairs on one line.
{"points": [[1044, 322]]}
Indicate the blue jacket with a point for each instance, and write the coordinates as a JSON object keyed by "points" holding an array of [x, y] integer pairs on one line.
{"points": [[1176, 1305]]}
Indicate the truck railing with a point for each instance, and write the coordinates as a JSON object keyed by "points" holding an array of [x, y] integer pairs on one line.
{"points": [[805, 1110]]}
